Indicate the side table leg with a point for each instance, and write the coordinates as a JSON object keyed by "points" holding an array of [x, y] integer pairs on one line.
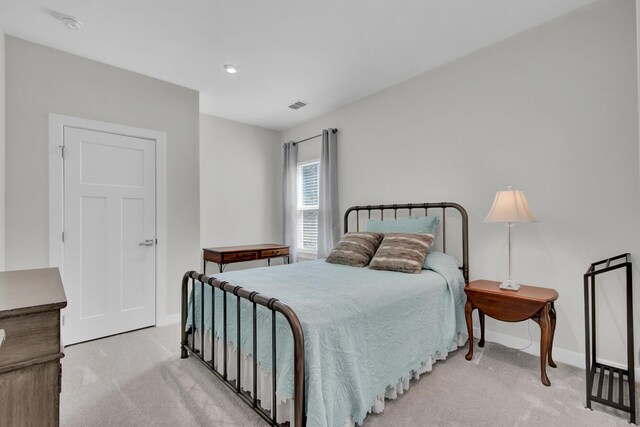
{"points": [[481, 316], [468, 310], [545, 326], [552, 317]]}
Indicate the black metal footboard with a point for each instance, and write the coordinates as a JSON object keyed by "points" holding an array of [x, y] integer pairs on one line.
{"points": [[189, 346]]}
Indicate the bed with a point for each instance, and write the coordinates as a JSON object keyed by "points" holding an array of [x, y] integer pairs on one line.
{"points": [[343, 338]]}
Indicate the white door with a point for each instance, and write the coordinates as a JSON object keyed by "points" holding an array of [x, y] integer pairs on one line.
{"points": [[109, 234]]}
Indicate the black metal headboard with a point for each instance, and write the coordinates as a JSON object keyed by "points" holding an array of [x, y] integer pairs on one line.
{"points": [[426, 206]]}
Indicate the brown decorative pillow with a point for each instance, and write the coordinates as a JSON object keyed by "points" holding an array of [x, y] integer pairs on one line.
{"points": [[402, 252], [355, 249]]}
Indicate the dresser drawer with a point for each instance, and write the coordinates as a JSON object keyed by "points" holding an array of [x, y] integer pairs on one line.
{"points": [[274, 252], [29, 336], [30, 396], [239, 256]]}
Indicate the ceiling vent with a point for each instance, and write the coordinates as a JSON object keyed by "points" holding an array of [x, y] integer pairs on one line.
{"points": [[298, 105]]}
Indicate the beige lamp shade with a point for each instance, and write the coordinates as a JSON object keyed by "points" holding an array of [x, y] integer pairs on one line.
{"points": [[510, 206]]}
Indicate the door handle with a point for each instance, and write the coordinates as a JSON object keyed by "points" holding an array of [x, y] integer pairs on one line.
{"points": [[146, 243]]}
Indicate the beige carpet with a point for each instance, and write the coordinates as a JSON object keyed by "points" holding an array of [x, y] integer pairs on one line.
{"points": [[138, 379]]}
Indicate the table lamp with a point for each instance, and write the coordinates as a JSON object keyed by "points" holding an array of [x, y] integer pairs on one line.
{"points": [[510, 206]]}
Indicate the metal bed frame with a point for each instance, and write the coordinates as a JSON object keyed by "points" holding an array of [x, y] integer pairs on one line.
{"points": [[188, 346], [425, 206]]}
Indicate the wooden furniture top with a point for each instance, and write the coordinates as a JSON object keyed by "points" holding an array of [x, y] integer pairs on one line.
{"points": [[31, 291], [260, 247], [534, 293]]}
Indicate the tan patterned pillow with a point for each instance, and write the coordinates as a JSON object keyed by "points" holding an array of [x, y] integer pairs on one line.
{"points": [[402, 252], [355, 249]]}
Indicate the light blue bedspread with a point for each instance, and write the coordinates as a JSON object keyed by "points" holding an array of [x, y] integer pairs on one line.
{"points": [[364, 329]]}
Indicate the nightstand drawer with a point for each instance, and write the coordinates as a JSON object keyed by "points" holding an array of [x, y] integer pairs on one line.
{"points": [[274, 252], [239, 256]]}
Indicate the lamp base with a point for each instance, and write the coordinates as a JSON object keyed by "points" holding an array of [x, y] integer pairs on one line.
{"points": [[510, 285]]}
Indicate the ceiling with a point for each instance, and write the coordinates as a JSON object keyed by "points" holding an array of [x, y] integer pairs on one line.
{"points": [[328, 53]]}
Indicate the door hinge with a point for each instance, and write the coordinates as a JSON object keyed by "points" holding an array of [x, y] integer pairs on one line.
{"points": [[63, 236], [61, 150], [156, 241]]}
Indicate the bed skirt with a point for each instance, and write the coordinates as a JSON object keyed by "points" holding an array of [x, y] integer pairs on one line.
{"points": [[285, 404]]}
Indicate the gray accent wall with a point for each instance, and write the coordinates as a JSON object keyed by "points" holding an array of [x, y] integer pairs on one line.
{"points": [[240, 186], [552, 111], [42, 80]]}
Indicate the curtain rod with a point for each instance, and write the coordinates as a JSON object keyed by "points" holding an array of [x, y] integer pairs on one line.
{"points": [[313, 137]]}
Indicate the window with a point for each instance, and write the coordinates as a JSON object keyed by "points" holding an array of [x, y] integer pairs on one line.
{"points": [[308, 181]]}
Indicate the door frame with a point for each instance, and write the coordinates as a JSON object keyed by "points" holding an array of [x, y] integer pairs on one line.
{"points": [[57, 123]]}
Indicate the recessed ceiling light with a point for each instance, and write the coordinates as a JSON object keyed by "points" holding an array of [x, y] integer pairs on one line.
{"points": [[71, 23], [231, 69]]}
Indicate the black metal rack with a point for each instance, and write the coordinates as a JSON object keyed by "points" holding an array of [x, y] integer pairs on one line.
{"points": [[612, 391]]}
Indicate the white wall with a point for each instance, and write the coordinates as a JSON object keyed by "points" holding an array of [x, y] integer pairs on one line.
{"points": [[552, 111], [240, 181], [2, 150], [40, 81], [638, 75], [310, 150]]}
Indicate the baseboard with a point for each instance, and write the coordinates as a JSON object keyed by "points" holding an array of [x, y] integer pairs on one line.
{"points": [[559, 354], [169, 319]]}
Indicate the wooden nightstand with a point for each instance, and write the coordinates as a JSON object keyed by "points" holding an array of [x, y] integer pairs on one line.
{"points": [[530, 302]]}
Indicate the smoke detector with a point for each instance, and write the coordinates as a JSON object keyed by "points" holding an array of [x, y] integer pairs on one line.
{"points": [[298, 105], [71, 23]]}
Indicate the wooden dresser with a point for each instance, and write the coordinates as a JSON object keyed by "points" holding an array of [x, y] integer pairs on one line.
{"points": [[30, 370]]}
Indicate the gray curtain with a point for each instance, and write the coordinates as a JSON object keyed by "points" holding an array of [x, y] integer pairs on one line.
{"points": [[328, 214], [290, 198]]}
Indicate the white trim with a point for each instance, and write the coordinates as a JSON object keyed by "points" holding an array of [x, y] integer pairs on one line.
{"points": [[308, 162], [307, 255], [301, 252], [170, 319], [57, 123], [572, 358]]}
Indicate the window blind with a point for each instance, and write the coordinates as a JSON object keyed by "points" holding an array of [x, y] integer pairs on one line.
{"points": [[308, 181]]}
